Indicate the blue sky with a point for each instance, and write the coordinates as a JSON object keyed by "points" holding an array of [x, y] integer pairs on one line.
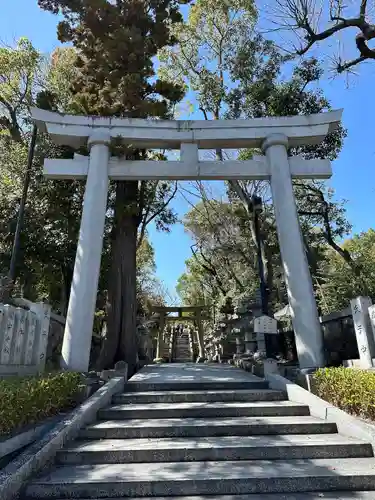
{"points": [[353, 178]]}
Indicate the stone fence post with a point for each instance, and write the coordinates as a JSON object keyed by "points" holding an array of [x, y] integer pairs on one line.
{"points": [[363, 331]]}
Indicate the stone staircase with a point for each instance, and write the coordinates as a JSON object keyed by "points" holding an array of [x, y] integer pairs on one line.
{"points": [[182, 350], [193, 434]]}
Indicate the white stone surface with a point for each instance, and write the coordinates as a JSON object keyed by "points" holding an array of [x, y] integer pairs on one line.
{"points": [[23, 338], [31, 327], [73, 130], [80, 315], [7, 334], [216, 471], [210, 442], [261, 342], [43, 316], [19, 335], [188, 168], [308, 334], [188, 372], [189, 153], [363, 331], [371, 313], [265, 324]]}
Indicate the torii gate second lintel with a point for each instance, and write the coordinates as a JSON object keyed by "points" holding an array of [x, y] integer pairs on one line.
{"points": [[273, 135]]}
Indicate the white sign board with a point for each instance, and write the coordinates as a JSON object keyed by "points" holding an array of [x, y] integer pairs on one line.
{"points": [[265, 324], [365, 341]]}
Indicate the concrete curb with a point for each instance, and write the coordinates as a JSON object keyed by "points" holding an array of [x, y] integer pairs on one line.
{"points": [[14, 443], [347, 425], [42, 452]]}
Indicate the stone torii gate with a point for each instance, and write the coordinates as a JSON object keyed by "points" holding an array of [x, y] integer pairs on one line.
{"points": [[273, 135], [197, 317]]}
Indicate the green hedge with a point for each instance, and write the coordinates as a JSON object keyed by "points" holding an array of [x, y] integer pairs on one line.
{"points": [[29, 400], [351, 390]]}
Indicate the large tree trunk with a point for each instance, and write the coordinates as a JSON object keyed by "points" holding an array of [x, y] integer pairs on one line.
{"points": [[120, 341]]}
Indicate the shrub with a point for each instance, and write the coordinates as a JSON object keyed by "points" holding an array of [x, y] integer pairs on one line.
{"points": [[29, 400], [351, 390]]}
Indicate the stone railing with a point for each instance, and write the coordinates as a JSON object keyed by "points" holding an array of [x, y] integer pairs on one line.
{"points": [[24, 328]]}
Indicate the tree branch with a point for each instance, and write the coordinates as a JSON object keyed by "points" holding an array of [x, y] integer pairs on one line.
{"points": [[12, 123], [327, 233], [313, 37], [344, 67], [362, 10], [211, 270], [204, 113], [233, 274], [158, 212], [146, 220], [361, 41]]}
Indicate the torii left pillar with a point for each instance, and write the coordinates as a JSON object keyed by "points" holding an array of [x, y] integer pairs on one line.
{"points": [[81, 310]]}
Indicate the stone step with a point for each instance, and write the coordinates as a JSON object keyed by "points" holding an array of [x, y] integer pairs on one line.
{"points": [[317, 495], [205, 427], [202, 410], [256, 383], [204, 478], [199, 396], [213, 449]]}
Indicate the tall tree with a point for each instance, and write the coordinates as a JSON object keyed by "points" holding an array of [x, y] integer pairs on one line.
{"points": [[53, 209], [20, 68], [235, 73], [116, 42], [48, 236]]}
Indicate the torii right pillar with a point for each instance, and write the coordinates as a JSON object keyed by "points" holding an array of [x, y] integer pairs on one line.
{"points": [[307, 328]]}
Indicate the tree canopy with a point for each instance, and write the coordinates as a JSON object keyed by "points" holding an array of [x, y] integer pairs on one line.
{"points": [[53, 210], [234, 72]]}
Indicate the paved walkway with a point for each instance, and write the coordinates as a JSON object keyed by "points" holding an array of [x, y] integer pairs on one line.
{"points": [[192, 373]]}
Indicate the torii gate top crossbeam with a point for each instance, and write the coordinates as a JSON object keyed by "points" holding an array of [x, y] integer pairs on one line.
{"points": [[197, 310], [301, 130]]}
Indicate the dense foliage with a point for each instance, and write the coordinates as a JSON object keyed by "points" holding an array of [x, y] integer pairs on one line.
{"points": [[53, 210], [29, 400], [350, 390], [341, 280]]}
